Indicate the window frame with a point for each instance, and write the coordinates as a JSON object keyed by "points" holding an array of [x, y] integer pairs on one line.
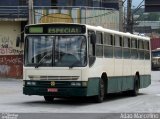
{"points": [[99, 43], [109, 45], [118, 46]]}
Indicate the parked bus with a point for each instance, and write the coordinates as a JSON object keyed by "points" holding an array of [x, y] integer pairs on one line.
{"points": [[156, 59], [75, 60]]}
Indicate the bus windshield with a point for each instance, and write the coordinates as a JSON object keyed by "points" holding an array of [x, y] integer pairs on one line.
{"points": [[56, 51], [156, 54]]}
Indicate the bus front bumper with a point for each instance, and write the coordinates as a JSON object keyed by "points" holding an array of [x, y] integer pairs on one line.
{"points": [[55, 88]]}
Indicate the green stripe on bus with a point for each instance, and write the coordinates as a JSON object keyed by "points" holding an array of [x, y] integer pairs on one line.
{"points": [[117, 84]]}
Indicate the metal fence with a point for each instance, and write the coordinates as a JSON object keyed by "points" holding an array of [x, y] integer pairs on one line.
{"points": [[13, 12], [108, 18]]}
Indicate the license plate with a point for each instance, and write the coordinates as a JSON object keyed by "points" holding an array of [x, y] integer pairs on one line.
{"points": [[52, 90]]}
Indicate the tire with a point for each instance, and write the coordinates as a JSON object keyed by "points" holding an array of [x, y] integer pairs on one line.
{"points": [[135, 91], [49, 98], [100, 97]]}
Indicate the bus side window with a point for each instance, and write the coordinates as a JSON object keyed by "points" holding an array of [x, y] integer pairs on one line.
{"points": [[147, 50], [99, 44], [134, 53], [140, 49], [118, 46], [108, 45], [91, 47], [126, 48]]}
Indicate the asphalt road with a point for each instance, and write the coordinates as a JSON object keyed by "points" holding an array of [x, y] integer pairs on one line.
{"points": [[13, 101]]}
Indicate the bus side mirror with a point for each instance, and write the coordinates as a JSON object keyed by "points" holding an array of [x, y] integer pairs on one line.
{"points": [[93, 38], [18, 40]]}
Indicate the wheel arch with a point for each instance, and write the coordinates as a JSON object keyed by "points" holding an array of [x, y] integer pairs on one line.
{"points": [[104, 77]]}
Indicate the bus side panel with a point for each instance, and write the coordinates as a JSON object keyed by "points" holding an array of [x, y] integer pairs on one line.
{"points": [[145, 81], [127, 67], [127, 83], [93, 86], [120, 83], [112, 84]]}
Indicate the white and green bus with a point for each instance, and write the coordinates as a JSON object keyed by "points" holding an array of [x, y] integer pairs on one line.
{"points": [[76, 60]]}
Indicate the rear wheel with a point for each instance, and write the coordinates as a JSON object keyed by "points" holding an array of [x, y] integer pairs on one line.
{"points": [[100, 97], [49, 98], [135, 91]]}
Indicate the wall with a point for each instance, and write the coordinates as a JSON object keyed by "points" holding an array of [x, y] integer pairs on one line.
{"points": [[155, 43], [11, 57], [84, 15]]}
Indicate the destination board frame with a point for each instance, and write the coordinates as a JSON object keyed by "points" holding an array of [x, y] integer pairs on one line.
{"points": [[55, 29]]}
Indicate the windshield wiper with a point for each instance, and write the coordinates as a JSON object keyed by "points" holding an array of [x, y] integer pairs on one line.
{"points": [[41, 61]]}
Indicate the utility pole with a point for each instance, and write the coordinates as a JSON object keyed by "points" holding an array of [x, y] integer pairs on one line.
{"points": [[31, 12], [121, 15], [129, 17]]}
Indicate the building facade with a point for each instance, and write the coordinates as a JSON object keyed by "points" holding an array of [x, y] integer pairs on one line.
{"points": [[14, 15], [13, 18]]}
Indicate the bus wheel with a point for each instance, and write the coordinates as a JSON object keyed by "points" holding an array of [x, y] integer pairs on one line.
{"points": [[135, 91], [49, 98], [100, 97]]}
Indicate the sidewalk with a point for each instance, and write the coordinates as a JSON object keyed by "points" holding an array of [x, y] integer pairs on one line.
{"points": [[155, 75]]}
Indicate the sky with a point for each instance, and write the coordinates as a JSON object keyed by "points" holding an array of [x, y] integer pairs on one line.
{"points": [[135, 3]]}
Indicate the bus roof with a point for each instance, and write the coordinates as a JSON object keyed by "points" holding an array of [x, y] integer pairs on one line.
{"points": [[117, 32], [99, 28]]}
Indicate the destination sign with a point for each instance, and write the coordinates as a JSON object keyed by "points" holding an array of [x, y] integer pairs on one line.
{"points": [[55, 29], [36, 29], [65, 30]]}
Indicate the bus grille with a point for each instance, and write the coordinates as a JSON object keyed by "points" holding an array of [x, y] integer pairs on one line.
{"points": [[53, 77]]}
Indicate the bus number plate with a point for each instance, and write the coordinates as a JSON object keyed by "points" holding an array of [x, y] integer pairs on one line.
{"points": [[52, 90]]}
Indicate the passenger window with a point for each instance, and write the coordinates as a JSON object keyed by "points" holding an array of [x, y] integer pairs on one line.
{"points": [[140, 44], [134, 52], [146, 45], [118, 40], [99, 39], [134, 43], [141, 49], [126, 42], [108, 39], [108, 45], [91, 46], [99, 44], [147, 50], [126, 49], [118, 47]]}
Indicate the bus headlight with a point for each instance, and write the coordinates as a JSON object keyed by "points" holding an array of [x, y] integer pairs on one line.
{"points": [[30, 83], [75, 83]]}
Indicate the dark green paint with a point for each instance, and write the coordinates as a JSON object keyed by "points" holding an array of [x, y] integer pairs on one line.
{"points": [[124, 83], [93, 86], [114, 84], [62, 92]]}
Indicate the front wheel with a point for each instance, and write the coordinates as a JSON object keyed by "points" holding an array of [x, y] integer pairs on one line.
{"points": [[100, 97], [49, 98]]}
